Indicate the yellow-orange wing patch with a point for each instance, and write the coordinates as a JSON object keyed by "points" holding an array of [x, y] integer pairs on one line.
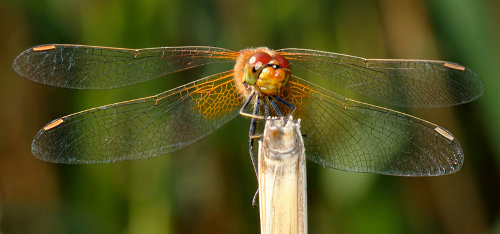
{"points": [[141, 128], [216, 97]]}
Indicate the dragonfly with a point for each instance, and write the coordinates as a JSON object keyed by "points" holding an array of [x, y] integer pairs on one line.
{"points": [[341, 133]]}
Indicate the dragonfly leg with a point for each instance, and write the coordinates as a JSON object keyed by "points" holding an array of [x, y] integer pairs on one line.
{"points": [[249, 99], [245, 105], [254, 199], [251, 135], [266, 108], [290, 105], [275, 107]]}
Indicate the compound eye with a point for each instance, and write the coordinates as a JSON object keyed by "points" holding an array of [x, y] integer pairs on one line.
{"points": [[282, 61], [258, 60]]}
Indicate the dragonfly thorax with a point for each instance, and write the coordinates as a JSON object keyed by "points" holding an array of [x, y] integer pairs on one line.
{"points": [[268, 73]]}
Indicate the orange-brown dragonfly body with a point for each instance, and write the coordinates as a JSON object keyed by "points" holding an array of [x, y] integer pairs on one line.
{"points": [[341, 133]]}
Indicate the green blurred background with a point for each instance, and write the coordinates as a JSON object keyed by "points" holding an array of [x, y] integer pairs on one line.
{"points": [[208, 186]]}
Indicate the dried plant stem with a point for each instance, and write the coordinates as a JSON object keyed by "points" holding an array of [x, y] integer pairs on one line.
{"points": [[282, 178]]}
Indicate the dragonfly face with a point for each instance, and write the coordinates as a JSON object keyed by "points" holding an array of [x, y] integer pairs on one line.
{"points": [[341, 133], [266, 70]]}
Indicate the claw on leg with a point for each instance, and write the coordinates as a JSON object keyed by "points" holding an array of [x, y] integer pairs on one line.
{"points": [[255, 203]]}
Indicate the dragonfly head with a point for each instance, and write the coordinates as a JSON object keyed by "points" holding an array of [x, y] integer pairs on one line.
{"points": [[268, 72]]}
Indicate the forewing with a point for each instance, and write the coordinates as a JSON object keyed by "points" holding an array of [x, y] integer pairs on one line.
{"points": [[141, 128], [408, 83], [94, 67], [349, 135]]}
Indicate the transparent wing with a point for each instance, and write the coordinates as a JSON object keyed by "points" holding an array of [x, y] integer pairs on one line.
{"points": [[94, 67], [349, 135], [141, 128], [409, 83]]}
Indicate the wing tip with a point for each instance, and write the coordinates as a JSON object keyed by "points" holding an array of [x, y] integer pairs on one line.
{"points": [[16, 64], [19, 60]]}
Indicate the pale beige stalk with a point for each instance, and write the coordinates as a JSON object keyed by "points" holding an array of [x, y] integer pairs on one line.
{"points": [[282, 178]]}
